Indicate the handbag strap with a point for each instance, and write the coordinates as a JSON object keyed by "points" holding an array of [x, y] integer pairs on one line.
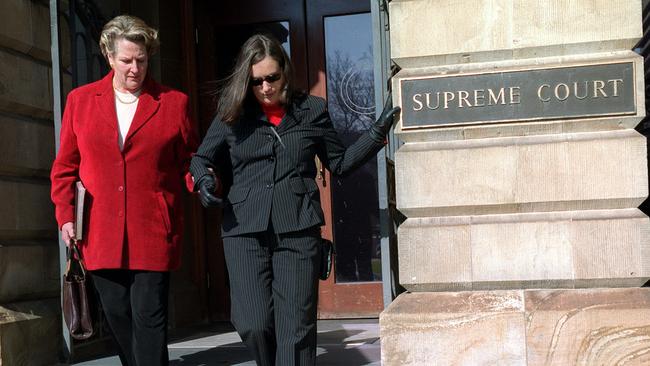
{"points": [[73, 254]]}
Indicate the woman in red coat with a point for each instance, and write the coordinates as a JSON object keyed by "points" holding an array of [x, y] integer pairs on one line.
{"points": [[129, 141]]}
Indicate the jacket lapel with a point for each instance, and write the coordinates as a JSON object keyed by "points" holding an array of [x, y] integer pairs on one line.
{"points": [[105, 100], [292, 117], [147, 106]]}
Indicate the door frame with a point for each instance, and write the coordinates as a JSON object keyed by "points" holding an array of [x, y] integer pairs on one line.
{"points": [[389, 217]]}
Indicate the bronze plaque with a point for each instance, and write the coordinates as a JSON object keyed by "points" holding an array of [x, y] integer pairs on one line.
{"points": [[521, 95]]}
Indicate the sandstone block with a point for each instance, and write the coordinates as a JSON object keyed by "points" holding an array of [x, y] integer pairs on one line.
{"points": [[460, 328], [597, 170], [437, 32], [26, 147], [25, 86], [25, 27], [588, 327], [608, 248], [531, 327], [30, 332], [29, 271], [27, 212], [15, 23]]}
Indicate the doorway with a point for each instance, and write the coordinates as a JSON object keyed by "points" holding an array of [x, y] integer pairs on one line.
{"points": [[330, 44]]}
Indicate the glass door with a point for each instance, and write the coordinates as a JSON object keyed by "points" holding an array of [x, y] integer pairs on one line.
{"points": [[340, 58]]}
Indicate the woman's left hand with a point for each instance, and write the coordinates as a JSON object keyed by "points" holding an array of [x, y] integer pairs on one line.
{"points": [[207, 186], [67, 232], [380, 129]]}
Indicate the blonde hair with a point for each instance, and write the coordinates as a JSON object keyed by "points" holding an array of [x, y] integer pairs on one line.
{"points": [[130, 28]]}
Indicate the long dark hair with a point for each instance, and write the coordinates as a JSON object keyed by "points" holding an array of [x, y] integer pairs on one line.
{"points": [[235, 90]]}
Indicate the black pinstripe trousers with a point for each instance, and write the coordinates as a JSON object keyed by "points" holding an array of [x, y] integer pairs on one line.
{"points": [[274, 292]]}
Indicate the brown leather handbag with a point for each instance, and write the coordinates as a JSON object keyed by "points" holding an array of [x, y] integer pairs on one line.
{"points": [[76, 310]]}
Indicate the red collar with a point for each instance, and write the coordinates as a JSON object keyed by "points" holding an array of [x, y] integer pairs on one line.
{"points": [[274, 113]]}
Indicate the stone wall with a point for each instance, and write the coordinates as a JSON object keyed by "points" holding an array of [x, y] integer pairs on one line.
{"points": [[29, 262], [523, 242]]}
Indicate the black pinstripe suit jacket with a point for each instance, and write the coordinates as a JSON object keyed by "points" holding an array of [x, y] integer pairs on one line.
{"points": [[265, 181]]}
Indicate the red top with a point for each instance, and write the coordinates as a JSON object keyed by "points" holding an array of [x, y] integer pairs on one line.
{"points": [[274, 113]]}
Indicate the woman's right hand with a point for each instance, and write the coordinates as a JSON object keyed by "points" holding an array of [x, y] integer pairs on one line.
{"points": [[207, 186], [67, 232]]}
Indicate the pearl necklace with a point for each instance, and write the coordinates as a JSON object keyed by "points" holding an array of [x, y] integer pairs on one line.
{"points": [[136, 96]]}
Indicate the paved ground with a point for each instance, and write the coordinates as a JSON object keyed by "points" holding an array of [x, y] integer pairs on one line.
{"points": [[340, 342]]}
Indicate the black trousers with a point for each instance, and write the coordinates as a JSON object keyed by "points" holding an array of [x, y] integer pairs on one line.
{"points": [[135, 305], [274, 292]]}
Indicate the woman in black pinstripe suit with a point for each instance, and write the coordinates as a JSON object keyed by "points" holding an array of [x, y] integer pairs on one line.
{"points": [[270, 134]]}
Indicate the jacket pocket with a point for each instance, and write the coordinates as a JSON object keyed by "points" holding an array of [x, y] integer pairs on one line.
{"points": [[164, 212], [237, 195], [303, 185]]}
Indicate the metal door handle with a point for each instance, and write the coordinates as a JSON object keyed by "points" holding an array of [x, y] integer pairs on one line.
{"points": [[320, 171]]}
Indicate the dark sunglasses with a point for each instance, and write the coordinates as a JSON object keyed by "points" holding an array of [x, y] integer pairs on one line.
{"points": [[268, 78]]}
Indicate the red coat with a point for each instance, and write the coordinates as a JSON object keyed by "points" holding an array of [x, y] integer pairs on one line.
{"points": [[134, 217]]}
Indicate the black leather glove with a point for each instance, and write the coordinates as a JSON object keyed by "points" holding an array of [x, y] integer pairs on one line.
{"points": [[380, 129], [207, 186]]}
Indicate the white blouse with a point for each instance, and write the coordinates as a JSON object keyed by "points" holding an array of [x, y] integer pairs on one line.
{"points": [[125, 106]]}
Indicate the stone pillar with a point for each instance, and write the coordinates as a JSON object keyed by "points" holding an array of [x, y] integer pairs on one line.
{"points": [[520, 178]]}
